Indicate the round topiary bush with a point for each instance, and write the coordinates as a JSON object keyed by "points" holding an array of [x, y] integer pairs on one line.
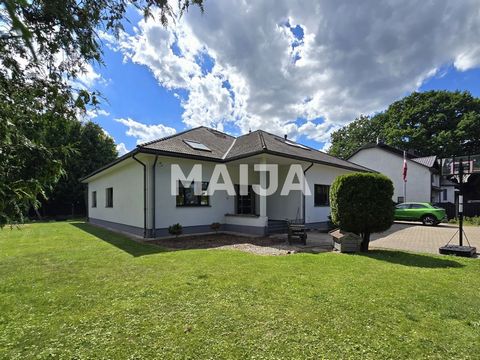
{"points": [[362, 203]]}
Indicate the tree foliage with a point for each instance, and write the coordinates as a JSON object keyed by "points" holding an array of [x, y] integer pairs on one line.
{"points": [[439, 123], [44, 45], [362, 203], [94, 149]]}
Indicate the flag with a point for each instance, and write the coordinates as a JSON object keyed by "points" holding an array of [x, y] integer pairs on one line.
{"points": [[405, 166]]}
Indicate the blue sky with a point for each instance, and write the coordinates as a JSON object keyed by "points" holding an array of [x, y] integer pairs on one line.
{"points": [[157, 80]]}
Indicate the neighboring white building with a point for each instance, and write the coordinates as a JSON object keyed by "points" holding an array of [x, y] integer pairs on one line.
{"points": [[133, 193], [423, 175]]}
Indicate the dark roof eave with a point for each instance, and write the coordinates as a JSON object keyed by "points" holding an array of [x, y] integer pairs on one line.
{"points": [[109, 165]]}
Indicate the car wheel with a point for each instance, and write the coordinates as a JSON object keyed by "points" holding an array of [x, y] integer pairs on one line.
{"points": [[429, 220]]}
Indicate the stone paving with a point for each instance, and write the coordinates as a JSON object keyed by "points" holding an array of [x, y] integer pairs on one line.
{"points": [[410, 236], [418, 238]]}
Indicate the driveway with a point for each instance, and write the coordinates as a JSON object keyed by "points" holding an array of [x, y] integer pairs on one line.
{"points": [[415, 237]]}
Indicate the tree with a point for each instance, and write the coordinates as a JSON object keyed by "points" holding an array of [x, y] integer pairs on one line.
{"points": [[439, 123], [94, 149], [347, 140], [35, 118], [43, 46], [362, 203]]}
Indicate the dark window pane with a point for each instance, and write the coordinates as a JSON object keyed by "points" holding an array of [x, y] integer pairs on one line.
{"points": [[186, 195], [322, 195], [109, 197]]}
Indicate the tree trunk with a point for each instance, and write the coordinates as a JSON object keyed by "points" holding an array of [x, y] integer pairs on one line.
{"points": [[365, 242], [39, 216]]}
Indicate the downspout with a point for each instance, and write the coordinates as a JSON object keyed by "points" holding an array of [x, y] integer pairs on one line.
{"points": [[144, 195], [154, 168], [303, 193]]}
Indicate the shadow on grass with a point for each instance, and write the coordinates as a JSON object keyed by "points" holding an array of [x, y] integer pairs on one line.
{"points": [[409, 259], [121, 242]]}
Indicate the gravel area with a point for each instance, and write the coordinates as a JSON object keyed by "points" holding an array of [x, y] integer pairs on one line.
{"points": [[273, 246]]}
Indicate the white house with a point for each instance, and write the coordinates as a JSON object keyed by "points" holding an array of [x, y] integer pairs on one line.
{"points": [[423, 175], [133, 194]]}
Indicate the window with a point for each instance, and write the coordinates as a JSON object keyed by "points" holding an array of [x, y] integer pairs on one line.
{"points": [[402, 206], [94, 199], [109, 197], [322, 195], [417, 206], [196, 145], [444, 194], [186, 195], [245, 204], [400, 199]]}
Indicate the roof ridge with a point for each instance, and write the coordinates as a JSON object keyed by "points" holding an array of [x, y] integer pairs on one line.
{"points": [[230, 148], [213, 131], [262, 140], [168, 137]]}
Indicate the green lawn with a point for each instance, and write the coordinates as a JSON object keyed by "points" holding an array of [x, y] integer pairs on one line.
{"points": [[69, 290]]}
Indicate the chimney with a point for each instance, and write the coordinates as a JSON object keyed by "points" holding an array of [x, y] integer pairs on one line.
{"points": [[285, 136]]}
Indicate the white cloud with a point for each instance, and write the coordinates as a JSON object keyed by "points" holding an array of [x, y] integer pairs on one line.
{"points": [[143, 132], [122, 149], [93, 113], [88, 77], [350, 61]]}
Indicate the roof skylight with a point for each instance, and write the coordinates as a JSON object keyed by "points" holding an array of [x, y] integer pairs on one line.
{"points": [[196, 145]]}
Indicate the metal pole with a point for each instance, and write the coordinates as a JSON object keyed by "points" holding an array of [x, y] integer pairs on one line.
{"points": [[404, 191], [460, 204]]}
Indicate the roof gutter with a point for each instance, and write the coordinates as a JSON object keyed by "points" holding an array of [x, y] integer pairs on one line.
{"points": [[303, 194], [154, 169], [144, 195]]}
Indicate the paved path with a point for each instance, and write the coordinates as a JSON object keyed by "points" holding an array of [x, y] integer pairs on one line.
{"points": [[418, 238], [410, 236]]}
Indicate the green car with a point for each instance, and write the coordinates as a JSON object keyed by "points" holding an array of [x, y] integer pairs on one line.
{"points": [[424, 212]]}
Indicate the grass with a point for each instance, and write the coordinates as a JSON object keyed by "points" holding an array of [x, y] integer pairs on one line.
{"points": [[468, 221], [70, 290]]}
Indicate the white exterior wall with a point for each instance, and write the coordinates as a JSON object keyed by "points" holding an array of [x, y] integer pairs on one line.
{"points": [[450, 194], [167, 212], [287, 207], [321, 175], [419, 183], [126, 179]]}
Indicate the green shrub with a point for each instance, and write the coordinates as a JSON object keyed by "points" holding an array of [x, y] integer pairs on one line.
{"points": [[362, 203], [175, 229], [215, 226], [472, 221]]}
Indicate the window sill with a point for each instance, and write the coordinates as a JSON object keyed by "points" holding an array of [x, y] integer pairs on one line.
{"points": [[244, 215], [193, 206], [321, 206]]}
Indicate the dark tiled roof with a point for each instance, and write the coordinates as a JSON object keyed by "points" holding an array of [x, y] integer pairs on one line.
{"points": [[226, 148], [258, 140], [216, 141], [428, 161]]}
